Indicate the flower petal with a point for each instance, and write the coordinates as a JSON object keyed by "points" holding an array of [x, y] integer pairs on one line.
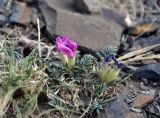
{"points": [[66, 46], [65, 39], [108, 58], [72, 45], [117, 63], [58, 40], [65, 50]]}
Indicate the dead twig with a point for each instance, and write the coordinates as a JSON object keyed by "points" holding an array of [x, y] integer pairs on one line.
{"points": [[138, 52], [141, 58], [39, 38]]}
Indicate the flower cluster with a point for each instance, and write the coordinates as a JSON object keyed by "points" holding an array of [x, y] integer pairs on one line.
{"points": [[110, 58], [67, 48], [108, 73]]}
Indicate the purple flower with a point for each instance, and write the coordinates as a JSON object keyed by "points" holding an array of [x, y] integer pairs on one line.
{"points": [[111, 57], [66, 46], [108, 58]]}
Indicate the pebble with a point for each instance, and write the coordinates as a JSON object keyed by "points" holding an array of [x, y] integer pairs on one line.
{"points": [[152, 92], [143, 87], [135, 110], [21, 13], [2, 18], [128, 100], [134, 115], [142, 100], [145, 81], [87, 6], [135, 93]]}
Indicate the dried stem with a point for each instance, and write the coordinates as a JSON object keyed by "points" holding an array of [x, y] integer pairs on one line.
{"points": [[39, 38], [138, 52], [141, 58]]}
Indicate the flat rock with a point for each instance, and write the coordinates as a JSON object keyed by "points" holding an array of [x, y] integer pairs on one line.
{"points": [[102, 114], [28, 1], [134, 115], [92, 32], [2, 18], [3, 2], [87, 6], [148, 41], [116, 108], [145, 62], [150, 71], [21, 13], [49, 16], [66, 5], [142, 101], [153, 110]]}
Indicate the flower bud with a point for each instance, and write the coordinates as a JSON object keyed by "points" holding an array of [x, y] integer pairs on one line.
{"points": [[109, 74]]}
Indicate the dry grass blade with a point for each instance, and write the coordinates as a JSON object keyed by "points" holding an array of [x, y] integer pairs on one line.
{"points": [[32, 43], [39, 38], [87, 108], [141, 58], [138, 52]]}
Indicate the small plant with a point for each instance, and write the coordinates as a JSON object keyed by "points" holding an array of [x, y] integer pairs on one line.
{"points": [[21, 82], [76, 87], [109, 73], [76, 84]]}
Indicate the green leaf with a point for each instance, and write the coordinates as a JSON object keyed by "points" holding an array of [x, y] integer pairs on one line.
{"points": [[104, 52]]}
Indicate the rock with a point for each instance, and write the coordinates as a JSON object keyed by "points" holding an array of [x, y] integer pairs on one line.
{"points": [[21, 14], [114, 109], [135, 92], [150, 71], [36, 15], [152, 116], [3, 2], [111, 14], [49, 16], [134, 115], [151, 3], [128, 46], [151, 92], [128, 100], [91, 32], [153, 110], [2, 10], [2, 18], [29, 1], [65, 5], [142, 101], [143, 87], [145, 81], [117, 108], [87, 6], [144, 42], [149, 37]]}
